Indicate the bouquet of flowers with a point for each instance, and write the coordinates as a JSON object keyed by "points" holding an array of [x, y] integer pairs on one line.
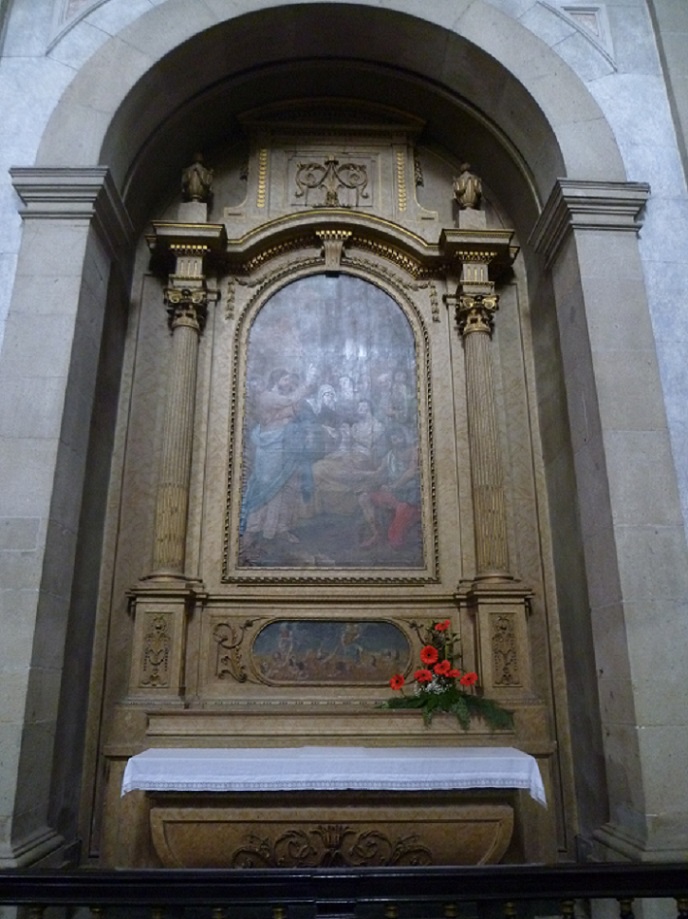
{"points": [[441, 686]]}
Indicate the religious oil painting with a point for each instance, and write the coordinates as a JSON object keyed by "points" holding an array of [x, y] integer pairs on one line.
{"points": [[350, 652], [330, 431]]}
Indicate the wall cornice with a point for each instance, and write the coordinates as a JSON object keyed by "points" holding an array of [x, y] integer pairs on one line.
{"points": [[74, 193], [576, 204]]}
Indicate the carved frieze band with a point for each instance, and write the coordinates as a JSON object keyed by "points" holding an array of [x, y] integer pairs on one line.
{"points": [[580, 205]]}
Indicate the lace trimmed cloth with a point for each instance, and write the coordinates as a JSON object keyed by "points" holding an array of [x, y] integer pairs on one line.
{"points": [[333, 769]]}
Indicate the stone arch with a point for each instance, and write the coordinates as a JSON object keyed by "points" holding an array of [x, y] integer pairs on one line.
{"points": [[168, 75]]}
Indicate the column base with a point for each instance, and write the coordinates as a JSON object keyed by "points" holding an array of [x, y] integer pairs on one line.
{"points": [[613, 844], [43, 848]]}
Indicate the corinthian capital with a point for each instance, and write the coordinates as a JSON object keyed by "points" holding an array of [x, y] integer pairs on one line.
{"points": [[186, 307], [475, 313]]}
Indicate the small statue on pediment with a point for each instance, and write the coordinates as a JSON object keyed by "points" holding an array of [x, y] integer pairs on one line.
{"points": [[197, 180], [468, 188]]}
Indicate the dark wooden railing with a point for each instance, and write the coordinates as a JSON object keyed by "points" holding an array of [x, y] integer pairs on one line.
{"points": [[375, 892]]}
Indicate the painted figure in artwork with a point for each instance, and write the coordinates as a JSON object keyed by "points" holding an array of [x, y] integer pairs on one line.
{"points": [[280, 476], [397, 491]]}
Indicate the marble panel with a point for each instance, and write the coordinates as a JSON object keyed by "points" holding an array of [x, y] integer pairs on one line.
{"points": [[114, 70], [665, 750], [33, 85], [656, 638], [628, 381], [584, 57], [25, 357], [652, 560], [165, 28], [68, 486], [75, 46], [33, 788], [48, 640], [593, 492], [662, 241], [603, 578], [641, 478], [11, 223], [10, 744], [632, 32], [15, 656], [611, 646], [74, 136], [28, 28], [19, 534], [616, 700], [625, 779], [589, 148], [43, 696], [32, 406], [58, 566], [26, 483], [112, 17], [623, 96]]}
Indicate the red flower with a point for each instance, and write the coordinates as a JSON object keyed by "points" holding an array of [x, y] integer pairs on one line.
{"points": [[397, 681], [442, 626], [423, 676], [454, 674], [443, 668], [429, 655], [469, 679]]}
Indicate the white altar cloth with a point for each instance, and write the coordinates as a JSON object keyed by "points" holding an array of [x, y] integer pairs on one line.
{"points": [[333, 769]]}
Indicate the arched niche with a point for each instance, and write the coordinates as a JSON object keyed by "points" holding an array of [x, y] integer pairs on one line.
{"points": [[470, 93]]}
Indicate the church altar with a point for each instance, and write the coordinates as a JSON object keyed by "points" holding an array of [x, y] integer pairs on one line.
{"points": [[317, 805]]}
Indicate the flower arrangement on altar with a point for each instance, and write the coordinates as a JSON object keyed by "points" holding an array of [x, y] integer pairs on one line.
{"points": [[441, 686]]}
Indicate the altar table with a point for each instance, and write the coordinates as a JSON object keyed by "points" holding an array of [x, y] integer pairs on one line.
{"points": [[302, 807], [333, 769]]}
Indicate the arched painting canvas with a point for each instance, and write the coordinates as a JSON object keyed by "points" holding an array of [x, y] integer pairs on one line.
{"points": [[330, 453]]}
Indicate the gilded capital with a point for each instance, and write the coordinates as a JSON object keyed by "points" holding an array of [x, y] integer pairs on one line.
{"points": [[475, 313], [186, 307]]}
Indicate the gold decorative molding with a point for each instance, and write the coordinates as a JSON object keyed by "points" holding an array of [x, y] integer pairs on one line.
{"points": [[187, 307], [476, 313], [261, 194], [333, 246], [402, 194]]}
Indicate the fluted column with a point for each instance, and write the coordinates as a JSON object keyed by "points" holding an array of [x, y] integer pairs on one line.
{"points": [[497, 600], [187, 311], [475, 317], [163, 601]]}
